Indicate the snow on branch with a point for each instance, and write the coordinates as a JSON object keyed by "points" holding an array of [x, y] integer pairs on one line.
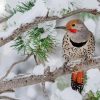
{"points": [[37, 20], [29, 79]]}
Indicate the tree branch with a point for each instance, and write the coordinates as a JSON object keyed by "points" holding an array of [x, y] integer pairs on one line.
{"points": [[13, 65], [98, 1], [27, 26], [7, 98], [35, 79]]}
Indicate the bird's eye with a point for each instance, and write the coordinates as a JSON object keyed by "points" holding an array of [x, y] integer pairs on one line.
{"points": [[73, 24]]}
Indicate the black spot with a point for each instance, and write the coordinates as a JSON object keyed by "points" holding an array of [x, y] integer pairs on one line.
{"points": [[78, 44], [73, 24], [26, 81]]}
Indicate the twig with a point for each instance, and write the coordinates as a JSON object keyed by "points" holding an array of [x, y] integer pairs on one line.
{"points": [[44, 91], [35, 79], [98, 1], [37, 20], [43, 83], [7, 91], [46, 71], [36, 60], [7, 98], [13, 65]]}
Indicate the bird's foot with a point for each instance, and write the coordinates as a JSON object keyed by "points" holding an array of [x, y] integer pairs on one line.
{"points": [[65, 64], [89, 62], [48, 73], [92, 61], [67, 67]]}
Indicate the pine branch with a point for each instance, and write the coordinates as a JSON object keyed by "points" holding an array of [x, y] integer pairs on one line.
{"points": [[34, 44], [30, 79], [23, 28], [24, 6], [4, 19], [92, 96]]}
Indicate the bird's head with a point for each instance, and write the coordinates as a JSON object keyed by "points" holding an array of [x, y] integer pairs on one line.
{"points": [[76, 30]]}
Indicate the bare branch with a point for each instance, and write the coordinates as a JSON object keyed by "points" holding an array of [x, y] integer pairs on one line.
{"points": [[13, 65], [44, 91], [36, 60], [35, 22], [35, 79], [98, 1], [43, 84], [7, 91], [7, 98]]}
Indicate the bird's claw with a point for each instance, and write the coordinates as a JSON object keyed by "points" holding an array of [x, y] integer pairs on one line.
{"points": [[65, 64], [66, 67], [89, 62], [92, 61]]}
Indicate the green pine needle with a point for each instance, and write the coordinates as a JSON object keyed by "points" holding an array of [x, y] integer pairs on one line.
{"points": [[19, 45], [88, 15], [42, 46], [62, 83], [93, 96], [36, 32], [34, 44], [24, 6]]}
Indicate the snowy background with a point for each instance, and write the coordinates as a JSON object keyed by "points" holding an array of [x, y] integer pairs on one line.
{"points": [[8, 55]]}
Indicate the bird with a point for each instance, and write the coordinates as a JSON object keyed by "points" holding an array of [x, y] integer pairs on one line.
{"points": [[78, 44]]}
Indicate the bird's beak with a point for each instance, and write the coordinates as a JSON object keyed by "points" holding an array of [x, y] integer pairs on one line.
{"points": [[60, 27]]}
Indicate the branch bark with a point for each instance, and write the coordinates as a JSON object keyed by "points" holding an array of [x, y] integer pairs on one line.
{"points": [[30, 79], [7, 98], [27, 26]]}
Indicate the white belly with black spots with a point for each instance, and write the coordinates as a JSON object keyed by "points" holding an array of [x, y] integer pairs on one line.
{"points": [[76, 51]]}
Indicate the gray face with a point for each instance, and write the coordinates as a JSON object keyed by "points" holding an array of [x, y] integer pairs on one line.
{"points": [[81, 35]]}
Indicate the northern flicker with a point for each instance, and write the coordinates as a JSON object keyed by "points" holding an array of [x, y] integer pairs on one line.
{"points": [[78, 43]]}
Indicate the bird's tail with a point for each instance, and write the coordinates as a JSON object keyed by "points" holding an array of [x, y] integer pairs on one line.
{"points": [[77, 80]]}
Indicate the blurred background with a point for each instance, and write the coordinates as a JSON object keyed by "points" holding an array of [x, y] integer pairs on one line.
{"points": [[60, 89]]}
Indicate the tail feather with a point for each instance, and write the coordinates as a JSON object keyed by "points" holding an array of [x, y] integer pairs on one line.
{"points": [[77, 80]]}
